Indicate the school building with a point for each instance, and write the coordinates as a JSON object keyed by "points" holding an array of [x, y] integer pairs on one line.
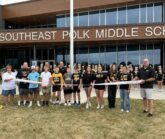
{"points": [[106, 31]]}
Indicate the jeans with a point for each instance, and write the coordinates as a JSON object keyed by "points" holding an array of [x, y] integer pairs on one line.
{"points": [[124, 96]]}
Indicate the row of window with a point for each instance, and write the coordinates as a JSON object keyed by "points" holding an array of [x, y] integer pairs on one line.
{"points": [[117, 53], [142, 13]]}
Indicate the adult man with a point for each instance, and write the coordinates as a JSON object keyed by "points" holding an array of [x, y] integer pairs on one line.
{"points": [[147, 75], [62, 68], [23, 87]]}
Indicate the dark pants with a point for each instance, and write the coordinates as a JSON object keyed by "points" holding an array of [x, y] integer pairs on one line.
{"points": [[112, 96]]}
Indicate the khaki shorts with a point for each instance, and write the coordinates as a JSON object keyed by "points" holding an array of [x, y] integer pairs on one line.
{"points": [[146, 93], [46, 89]]}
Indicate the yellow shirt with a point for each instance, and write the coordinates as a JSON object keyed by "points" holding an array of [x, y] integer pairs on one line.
{"points": [[57, 78]]}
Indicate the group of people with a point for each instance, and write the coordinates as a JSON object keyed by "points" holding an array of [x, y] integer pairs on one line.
{"points": [[51, 83]]}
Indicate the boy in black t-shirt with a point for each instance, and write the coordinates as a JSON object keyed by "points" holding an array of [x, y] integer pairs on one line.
{"points": [[124, 89], [76, 86], [23, 87]]}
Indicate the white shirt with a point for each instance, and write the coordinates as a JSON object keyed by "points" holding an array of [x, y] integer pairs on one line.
{"points": [[9, 85], [45, 78]]}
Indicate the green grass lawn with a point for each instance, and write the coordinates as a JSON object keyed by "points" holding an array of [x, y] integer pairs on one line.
{"points": [[78, 123]]}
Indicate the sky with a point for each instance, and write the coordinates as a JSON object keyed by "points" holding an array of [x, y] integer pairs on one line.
{"points": [[4, 2]]}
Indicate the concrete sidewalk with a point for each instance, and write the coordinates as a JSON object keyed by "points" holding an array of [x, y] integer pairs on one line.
{"points": [[135, 93]]}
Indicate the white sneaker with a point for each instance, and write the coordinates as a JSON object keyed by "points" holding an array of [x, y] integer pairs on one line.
{"points": [[87, 106], [19, 103], [65, 104], [38, 104], [122, 110], [127, 111], [69, 104], [98, 107], [102, 106], [30, 105], [57, 102]]}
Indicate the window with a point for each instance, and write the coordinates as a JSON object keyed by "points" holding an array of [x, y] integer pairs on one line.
{"points": [[111, 55], [157, 54], [143, 13], [102, 17], [158, 12], [83, 55], [149, 53], [94, 18], [122, 15], [122, 57], [83, 19], [76, 20], [111, 17], [150, 13], [67, 19], [94, 55], [133, 54], [61, 21], [133, 14]]}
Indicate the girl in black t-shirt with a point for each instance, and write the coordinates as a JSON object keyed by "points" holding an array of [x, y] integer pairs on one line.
{"points": [[87, 79], [99, 78]]}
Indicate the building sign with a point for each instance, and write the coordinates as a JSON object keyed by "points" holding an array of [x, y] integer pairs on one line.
{"points": [[87, 34]]}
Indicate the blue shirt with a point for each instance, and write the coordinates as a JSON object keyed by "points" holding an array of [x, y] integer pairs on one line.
{"points": [[33, 76]]}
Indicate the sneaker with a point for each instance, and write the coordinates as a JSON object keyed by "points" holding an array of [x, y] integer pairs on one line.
{"points": [[144, 111], [38, 104], [127, 111], [57, 102], [19, 103], [87, 106], [102, 106], [30, 105], [78, 104], [75, 104], [98, 107], [90, 105], [149, 115], [122, 110], [69, 104], [43, 103], [65, 104]]}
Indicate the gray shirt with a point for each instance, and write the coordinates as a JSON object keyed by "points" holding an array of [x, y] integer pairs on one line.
{"points": [[68, 80]]}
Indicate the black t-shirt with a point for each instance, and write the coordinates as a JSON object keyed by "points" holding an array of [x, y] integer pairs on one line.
{"points": [[23, 74], [112, 74], [100, 78], [76, 78], [124, 77], [87, 78], [144, 74]]}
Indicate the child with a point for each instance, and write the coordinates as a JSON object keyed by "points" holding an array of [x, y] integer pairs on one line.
{"points": [[33, 88], [57, 81], [8, 85], [124, 89], [46, 85], [76, 86], [67, 87]]}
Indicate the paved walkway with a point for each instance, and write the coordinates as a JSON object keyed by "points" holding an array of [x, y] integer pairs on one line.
{"points": [[135, 93]]}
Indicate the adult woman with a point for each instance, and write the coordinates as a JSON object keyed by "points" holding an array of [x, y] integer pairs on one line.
{"points": [[99, 78]]}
